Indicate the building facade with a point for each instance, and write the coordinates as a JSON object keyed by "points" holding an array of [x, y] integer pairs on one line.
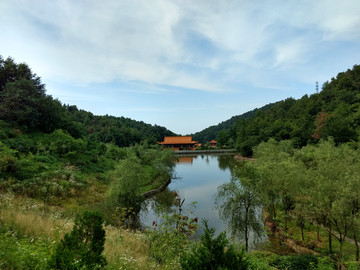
{"points": [[179, 143]]}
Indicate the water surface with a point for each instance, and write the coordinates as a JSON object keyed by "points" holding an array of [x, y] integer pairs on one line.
{"points": [[196, 180]]}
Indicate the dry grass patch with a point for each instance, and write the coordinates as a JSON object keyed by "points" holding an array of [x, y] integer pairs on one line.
{"points": [[33, 218], [125, 249]]}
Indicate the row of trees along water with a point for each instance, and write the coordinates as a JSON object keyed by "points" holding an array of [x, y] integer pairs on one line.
{"points": [[316, 187]]}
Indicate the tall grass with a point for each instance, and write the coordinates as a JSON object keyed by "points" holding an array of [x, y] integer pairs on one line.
{"points": [[32, 218], [125, 249]]}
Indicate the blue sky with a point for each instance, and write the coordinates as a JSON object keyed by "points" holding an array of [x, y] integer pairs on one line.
{"points": [[185, 65]]}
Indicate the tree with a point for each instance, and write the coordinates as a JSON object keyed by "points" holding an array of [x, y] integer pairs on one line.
{"points": [[332, 189], [83, 247], [213, 253], [240, 206], [319, 183], [20, 102], [272, 175], [125, 190]]}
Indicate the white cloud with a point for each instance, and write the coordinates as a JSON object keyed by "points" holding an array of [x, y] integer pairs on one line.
{"points": [[89, 41], [290, 53]]}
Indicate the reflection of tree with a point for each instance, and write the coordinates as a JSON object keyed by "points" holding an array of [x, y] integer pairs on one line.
{"points": [[238, 205], [225, 162], [164, 200]]}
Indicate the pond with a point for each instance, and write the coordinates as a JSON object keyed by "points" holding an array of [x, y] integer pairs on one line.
{"points": [[196, 180]]}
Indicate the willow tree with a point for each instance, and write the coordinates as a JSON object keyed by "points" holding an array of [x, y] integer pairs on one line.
{"points": [[240, 207]]}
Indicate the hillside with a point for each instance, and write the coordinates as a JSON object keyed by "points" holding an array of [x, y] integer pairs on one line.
{"points": [[24, 105], [334, 112], [211, 133], [56, 152]]}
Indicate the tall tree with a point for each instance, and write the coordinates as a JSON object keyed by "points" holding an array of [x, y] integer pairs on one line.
{"points": [[240, 207]]}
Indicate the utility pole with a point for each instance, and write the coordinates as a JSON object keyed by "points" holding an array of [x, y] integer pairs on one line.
{"points": [[317, 87]]}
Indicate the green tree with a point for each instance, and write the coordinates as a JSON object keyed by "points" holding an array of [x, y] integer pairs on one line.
{"points": [[213, 253], [125, 189], [240, 207], [83, 247], [331, 169], [20, 102]]}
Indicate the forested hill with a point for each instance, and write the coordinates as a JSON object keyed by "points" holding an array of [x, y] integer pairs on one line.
{"points": [[334, 112], [211, 133], [24, 105]]}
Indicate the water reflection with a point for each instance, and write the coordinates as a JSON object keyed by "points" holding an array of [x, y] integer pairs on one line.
{"points": [[226, 162], [186, 159], [198, 178]]}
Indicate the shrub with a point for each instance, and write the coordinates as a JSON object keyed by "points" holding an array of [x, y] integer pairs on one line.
{"points": [[297, 262], [62, 143], [213, 253], [82, 248]]}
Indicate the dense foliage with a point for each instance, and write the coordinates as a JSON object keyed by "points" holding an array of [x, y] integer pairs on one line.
{"points": [[24, 105], [211, 133], [317, 184], [335, 112], [49, 150]]}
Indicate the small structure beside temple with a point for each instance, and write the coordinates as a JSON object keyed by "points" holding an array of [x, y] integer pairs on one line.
{"points": [[179, 143], [213, 143]]}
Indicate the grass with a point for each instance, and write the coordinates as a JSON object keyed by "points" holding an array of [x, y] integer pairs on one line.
{"points": [[125, 249], [33, 229], [18, 252], [34, 218]]}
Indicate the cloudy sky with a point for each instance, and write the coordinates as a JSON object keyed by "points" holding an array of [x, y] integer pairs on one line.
{"points": [[185, 65]]}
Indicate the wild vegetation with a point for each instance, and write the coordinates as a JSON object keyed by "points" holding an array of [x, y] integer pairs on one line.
{"points": [[72, 185]]}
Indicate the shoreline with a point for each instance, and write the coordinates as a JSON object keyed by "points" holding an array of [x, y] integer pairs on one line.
{"points": [[199, 152], [151, 193]]}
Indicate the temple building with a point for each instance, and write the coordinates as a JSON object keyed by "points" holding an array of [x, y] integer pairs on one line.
{"points": [[212, 143], [179, 143]]}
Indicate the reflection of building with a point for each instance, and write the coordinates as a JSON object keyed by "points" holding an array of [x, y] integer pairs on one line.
{"points": [[179, 143], [212, 143], [188, 160]]}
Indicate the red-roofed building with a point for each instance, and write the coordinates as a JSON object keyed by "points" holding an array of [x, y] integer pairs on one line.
{"points": [[212, 143], [179, 143]]}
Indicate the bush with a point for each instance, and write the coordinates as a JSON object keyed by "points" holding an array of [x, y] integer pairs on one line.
{"points": [[82, 248], [298, 262], [214, 253], [62, 143]]}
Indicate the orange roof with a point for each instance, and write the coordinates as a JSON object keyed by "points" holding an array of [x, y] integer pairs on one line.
{"points": [[178, 140], [213, 141]]}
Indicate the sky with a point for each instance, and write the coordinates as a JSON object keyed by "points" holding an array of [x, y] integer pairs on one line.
{"points": [[182, 64]]}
